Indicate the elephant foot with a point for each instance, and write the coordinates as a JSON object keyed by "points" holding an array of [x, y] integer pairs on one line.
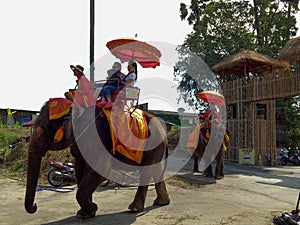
{"points": [[209, 175], [197, 173], [90, 212], [161, 202], [219, 177], [133, 207]]}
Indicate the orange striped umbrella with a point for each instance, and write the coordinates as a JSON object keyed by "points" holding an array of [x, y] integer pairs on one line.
{"points": [[128, 49], [211, 97]]}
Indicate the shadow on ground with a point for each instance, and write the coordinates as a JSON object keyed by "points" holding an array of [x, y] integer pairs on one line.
{"points": [[124, 218], [190, 180]]}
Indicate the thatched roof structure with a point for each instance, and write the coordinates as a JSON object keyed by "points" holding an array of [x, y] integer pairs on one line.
{"points": [[291, 50], [247, 61]]}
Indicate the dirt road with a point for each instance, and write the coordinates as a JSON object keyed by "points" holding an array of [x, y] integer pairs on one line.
{"points": [[247, 195]]}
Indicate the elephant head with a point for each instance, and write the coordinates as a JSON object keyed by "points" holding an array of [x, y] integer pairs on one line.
{"points": [[39, 144]]}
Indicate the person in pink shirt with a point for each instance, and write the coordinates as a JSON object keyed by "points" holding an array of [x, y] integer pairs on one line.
{"points": [[83, 96]]}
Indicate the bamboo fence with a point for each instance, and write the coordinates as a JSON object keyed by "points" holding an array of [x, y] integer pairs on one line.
{"points": [[249, 129]]}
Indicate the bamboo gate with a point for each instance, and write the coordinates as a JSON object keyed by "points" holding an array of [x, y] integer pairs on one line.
{"points": [[251, 110]]}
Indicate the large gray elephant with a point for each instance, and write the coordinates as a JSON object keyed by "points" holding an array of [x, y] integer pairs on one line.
{"points": [[92, 141]]}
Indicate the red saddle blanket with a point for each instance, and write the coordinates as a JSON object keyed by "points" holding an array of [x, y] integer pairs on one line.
{"points": [[129, 132], [58, 107]]}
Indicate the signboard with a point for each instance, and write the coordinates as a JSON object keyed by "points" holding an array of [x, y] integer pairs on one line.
{"points": [[247, 156]]}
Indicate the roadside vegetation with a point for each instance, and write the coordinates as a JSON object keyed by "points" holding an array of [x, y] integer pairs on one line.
{"points": [[14, 143], [12, 156]]}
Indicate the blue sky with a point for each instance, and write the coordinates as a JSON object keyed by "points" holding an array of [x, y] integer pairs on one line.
{"points": [[40, 39]]}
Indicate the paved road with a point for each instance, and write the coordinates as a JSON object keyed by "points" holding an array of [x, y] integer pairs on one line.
{"points": [[286, 176], [248, 195]]}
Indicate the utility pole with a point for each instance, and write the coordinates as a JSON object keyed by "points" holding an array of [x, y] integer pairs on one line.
{"points": [[92, 42]]}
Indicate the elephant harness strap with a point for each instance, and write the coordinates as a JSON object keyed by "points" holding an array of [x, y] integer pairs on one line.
{"points": [[129, 132]]}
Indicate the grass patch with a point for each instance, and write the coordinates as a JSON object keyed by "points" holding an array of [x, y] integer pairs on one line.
{"points": [[13, 158], [14, 144]]}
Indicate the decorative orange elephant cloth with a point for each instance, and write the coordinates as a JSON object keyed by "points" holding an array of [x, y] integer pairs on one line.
{"points": [[58, 107], [129, 131], [194, 137], [193, 140]]}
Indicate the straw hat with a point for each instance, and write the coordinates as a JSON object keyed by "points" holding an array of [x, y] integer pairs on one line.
{"points": [[78, 67]]}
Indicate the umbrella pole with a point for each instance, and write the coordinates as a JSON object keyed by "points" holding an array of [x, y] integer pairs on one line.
{"points": [[92, 34]]}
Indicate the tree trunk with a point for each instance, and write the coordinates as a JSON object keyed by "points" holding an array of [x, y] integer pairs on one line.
{"points": [[256, 21]]}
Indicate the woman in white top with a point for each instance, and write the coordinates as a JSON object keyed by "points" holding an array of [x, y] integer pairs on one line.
{"points": [[131, 77]]}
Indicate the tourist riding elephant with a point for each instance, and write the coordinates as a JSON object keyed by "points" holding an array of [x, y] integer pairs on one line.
{"points": [[83, 140], [218, 140]]}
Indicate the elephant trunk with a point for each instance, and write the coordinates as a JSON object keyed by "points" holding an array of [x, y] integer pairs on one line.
{"points": [[35, 154]]}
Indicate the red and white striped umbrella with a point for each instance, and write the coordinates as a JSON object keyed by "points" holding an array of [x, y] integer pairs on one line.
{"points": [[211, 97], [131, 49]]}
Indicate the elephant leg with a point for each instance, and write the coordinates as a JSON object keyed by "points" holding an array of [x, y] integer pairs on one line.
{"points": [[208, 171], [79, 172], [161, 189], [87, 186], [79, 165], [222, 168], [162, 194], [139, 200], [196, 163], [219, 171], [79, 168]]}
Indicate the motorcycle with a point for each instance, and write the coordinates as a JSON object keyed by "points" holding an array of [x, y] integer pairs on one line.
{"points": [[62, 173], [290, 157]]}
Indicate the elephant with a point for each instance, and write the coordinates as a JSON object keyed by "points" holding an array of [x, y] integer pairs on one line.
{"points": [[87, 178], [205, 136]]}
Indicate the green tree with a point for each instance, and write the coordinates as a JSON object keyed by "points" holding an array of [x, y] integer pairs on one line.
{"points": [[274, 25], [222, 28], [220, 31], [291, 109], [193, 13], [193, 76]]}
